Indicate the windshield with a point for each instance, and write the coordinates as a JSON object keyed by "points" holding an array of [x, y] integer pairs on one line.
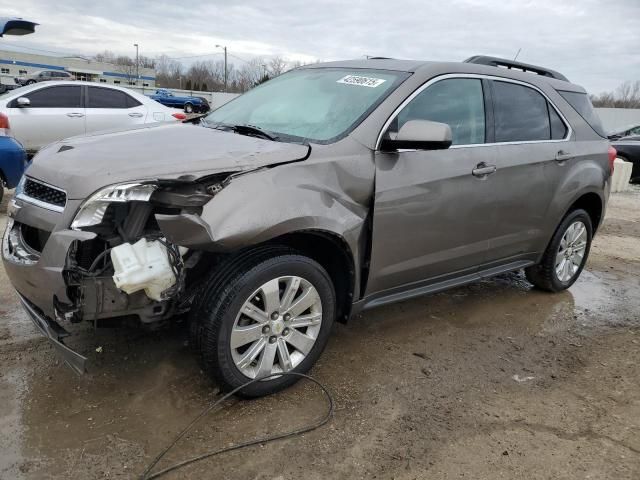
{"points": [[316, 105], [17, 90]]}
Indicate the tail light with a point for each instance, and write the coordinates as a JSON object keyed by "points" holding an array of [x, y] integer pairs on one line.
{"points": [[612, 157], [179, 116], [5, 131]]}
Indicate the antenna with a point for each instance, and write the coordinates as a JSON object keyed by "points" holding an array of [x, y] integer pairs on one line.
{"points": [[518, 53]]}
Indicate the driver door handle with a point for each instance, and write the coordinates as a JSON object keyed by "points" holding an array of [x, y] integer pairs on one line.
{"points": [[135, 114], [482, 170], [563, 156], [75, 115]]}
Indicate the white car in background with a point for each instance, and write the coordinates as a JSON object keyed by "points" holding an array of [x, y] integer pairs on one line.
{"points": [[46, 112]]}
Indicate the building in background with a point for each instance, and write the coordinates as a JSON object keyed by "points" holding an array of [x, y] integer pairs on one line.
{"points": [[17, 64]]}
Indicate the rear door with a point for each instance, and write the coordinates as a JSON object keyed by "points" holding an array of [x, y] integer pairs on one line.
{"points": [[532, 148], [108, 108], [54, 113], [430, 214]]}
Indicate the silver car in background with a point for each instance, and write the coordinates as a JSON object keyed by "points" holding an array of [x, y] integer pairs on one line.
{"points": [[326, 191]]}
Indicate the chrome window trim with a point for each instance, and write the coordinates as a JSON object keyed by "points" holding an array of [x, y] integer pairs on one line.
{"points": [[40, 203], [447, 76]]}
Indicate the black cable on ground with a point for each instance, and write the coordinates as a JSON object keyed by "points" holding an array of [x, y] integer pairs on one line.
{"points": [[147, 475]]}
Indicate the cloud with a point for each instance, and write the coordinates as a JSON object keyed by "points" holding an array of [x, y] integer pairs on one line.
{"points": [[592, 42]]}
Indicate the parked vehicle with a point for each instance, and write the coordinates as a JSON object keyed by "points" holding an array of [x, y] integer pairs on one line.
{"points": [[13, 157], [628, 149], [43, 76], [187, 103], [328, 190], [631, 130], [47, 112]]}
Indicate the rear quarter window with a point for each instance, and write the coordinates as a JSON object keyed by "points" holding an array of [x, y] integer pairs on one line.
{"points": [[581, 104]]}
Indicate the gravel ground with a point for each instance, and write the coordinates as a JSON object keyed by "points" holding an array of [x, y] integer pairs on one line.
{"points": [[493, 380]]}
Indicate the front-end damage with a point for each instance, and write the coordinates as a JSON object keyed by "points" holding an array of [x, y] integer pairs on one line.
{"points": [[129, 270]]}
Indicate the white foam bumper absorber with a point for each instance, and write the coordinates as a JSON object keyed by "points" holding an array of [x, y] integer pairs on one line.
{"points": [[142, 266], [621, 175]]}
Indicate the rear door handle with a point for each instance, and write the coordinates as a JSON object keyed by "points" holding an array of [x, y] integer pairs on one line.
{"points": [[563, 156], [482, 170], [135, 114], [75, 115]]}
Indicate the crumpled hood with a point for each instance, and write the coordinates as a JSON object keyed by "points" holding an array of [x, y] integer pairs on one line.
{"points": [[82, 165]]}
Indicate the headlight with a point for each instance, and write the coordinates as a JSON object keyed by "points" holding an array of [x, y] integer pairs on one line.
{"points": [[92, 210]]}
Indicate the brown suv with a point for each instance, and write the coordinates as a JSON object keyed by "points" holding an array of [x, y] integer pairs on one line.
{"points": [[328, 190]]}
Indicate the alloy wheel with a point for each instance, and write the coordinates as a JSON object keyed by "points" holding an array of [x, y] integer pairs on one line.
{"points": [[277, 327], [571, 251]]}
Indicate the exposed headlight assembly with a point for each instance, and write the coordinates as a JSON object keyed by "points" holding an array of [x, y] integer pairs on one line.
{"points": [[93, 209]]}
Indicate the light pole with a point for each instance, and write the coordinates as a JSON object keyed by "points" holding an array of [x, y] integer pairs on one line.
{"points": [[137, 63], [225, 65]]}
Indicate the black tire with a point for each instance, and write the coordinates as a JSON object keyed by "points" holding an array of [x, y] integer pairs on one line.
{"points": [[30, 82], [543, 275], [188, 108], [214, 315]]}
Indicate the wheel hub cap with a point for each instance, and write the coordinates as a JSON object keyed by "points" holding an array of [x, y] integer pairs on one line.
{"points": [[570, 255], [277, 327]]}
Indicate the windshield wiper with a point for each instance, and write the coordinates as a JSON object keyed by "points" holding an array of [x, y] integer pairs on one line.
{"points": [[252, 130]]}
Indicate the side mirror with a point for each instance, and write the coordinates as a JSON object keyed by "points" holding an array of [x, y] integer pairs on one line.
{"points": [[23, 102], [420, 135]]}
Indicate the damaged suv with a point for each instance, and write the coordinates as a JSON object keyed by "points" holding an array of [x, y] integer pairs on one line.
{"points": [[331, 189]]}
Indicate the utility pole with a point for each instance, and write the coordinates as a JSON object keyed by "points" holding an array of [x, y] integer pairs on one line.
{"points": [[137, 63], [225, 65]]}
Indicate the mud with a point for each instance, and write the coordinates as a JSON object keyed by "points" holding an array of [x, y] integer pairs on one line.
{"points": [[493, 380]]}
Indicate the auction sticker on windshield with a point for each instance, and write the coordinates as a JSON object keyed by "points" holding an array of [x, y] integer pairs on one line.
{"points": [[361, 81]]}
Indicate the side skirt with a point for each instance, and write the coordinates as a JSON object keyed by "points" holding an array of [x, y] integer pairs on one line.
{"points": [[421, 288]]}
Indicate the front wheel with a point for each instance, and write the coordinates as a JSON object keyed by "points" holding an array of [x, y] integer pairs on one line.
{"points": [[566, 255], [188, 108], [272, 313]]}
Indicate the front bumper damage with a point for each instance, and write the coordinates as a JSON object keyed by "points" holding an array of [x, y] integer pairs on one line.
{"points": [[55, 334]]}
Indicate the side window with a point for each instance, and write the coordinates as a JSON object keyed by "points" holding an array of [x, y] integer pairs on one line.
{"points": [[64, 96], [558, 128], [458, 102], [520, 113], [107, 98]]}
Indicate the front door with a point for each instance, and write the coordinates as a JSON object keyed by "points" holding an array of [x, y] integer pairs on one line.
{"points": [[54, 113], [431, 207]]}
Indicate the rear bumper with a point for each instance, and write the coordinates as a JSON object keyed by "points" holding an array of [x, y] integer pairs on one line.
{"points": [[54, 333]]}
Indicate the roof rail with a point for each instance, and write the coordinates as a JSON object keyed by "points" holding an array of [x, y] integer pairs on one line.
{"points": [[525, 67]]}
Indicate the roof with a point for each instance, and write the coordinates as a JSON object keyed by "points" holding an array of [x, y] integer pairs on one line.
{"points": [[432, 68]]}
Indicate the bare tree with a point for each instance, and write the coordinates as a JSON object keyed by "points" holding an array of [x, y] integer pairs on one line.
{"points": [[626, 95], [277, 66]]}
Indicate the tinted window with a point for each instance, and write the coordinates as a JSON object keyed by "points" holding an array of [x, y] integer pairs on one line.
{"points": [[458, 102], [520, 113], [55, 97], [558, 128], [107, 98], [581, 103]]}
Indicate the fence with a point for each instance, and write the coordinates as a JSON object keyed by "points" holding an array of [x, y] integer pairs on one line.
{"points": [[615, 119]]}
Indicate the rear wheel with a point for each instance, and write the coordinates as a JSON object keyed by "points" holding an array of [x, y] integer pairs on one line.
{"points": [[30, 82], [271, 313], [566, 254], [188, 108]]}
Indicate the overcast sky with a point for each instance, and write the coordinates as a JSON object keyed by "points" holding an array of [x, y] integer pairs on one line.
{"points": [[595, 43]]}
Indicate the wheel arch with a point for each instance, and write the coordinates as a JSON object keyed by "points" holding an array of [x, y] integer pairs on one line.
{"points": [[333, 253], [592, 203]]}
